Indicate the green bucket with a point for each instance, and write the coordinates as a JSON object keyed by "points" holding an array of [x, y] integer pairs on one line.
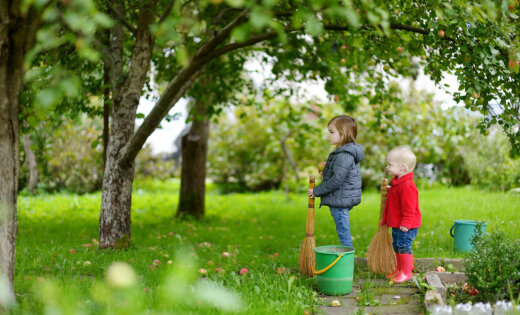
{"points": [[462, 232], [334, 269]]}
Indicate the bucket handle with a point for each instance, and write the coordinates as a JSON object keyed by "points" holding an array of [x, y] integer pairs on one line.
{"points": [[451, 230], [319, 272]]}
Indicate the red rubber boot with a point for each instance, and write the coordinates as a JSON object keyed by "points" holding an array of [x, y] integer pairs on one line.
{"points": [[406, 268], [397, 268]]}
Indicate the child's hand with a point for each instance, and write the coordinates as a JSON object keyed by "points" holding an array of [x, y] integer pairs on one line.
{"points": [[402, 228], [310, 192]]}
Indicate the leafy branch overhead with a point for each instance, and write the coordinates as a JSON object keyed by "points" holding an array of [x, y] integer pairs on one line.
{"points": [[354, 46]]}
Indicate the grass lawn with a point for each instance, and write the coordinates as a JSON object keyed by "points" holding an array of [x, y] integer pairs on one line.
{"points": [[58, 266]]}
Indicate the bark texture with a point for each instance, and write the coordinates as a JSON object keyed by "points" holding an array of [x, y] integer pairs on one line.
{"points": [[17, 35], [194, 150], [114, 221]]}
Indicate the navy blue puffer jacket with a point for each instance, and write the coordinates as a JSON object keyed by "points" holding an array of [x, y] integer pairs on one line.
{"points": [[341, 186]]}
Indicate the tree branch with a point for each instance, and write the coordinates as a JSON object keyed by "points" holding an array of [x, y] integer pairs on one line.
{"points": [[288, 155], [394, 26], [220, 36], [230, 47], [122, 19], [183, 81], [167, 11], [175, 90]]}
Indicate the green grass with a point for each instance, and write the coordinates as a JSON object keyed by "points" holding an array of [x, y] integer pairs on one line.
{"points": [[262, 232]]}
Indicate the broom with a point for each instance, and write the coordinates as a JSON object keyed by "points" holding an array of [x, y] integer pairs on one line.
{"points": [[381, 256], [307, 258]]}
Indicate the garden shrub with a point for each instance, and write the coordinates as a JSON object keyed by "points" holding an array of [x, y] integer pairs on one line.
{"points": [[245, 151], [69, 155], [155, 166], [493, 267]]}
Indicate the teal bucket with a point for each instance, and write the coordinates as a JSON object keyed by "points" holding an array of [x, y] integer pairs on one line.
{"points": [[334, 269], [462, 231]]}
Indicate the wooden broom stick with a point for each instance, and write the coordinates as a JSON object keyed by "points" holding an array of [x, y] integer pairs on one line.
{"points": [[381, 256], [307, 258]]}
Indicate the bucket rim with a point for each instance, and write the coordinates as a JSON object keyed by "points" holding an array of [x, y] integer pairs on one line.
{"points": [[323, 250], [470, 222]]}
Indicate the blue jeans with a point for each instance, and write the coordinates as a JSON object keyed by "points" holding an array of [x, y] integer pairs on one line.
{"points": [[402, 241], [342, 219]]}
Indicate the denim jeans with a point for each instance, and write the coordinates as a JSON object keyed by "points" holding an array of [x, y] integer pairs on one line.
{"points": [[342, 219], [402, 241]]}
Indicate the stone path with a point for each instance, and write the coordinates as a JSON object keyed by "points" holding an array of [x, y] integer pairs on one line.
{"points": [[372, 295], [375, 297]]}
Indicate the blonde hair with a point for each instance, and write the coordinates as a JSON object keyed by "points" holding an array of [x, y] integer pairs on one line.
{"points": [[347, 128], [403, 154]]}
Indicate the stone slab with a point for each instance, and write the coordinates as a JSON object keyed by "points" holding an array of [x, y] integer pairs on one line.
{"points": [[393, 309], [433, 279], [452, 277], [421, 264], [398, 299]]}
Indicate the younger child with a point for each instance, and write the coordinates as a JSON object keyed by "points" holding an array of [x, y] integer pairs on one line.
{"points": [[402, 212], [341, 185]]}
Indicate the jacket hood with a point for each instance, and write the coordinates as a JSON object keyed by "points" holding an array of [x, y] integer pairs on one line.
{"points": [[354, 149]]}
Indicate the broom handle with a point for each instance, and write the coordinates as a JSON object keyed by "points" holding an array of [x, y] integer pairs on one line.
{"points": [[384, 193], [309, 227], [311, 186]]}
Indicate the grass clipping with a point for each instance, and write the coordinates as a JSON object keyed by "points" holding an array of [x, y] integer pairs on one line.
{"points": [[381, 256]]}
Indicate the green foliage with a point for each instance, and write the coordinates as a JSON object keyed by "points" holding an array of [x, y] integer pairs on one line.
{"points": [[488, 162], [64, 60], [153, 166], [246, 150], [493, 267], [69, 156], [246, 153]]}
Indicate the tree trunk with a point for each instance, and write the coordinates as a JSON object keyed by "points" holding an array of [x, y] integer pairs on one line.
{"points": [[31, 160], [17, 36], [106, 101], [10, 85], [116, 201], [193, 170]]}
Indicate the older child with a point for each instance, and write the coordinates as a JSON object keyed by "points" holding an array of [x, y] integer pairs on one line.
{"points": [[341, 185], [402, 212]]}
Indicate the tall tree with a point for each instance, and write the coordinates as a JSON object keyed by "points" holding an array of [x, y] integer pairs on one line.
{"points": [[20, 22]]}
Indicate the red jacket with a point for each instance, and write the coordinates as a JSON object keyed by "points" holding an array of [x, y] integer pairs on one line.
{"points": [[402, 204]]}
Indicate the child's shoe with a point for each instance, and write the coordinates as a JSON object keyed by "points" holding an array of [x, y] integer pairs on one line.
{"points": [[397, 268], [406, 263]]}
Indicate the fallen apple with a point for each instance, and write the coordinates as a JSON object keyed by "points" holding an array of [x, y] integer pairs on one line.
{"points": [[440, 269]]}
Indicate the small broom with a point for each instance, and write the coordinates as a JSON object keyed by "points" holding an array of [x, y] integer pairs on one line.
{"points": [[307, 258], [381, 256]]}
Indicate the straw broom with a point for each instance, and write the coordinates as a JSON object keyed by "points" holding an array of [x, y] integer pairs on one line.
{"points": [[307, 258], [381, 256]]}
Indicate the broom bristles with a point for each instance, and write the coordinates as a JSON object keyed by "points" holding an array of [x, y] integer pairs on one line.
{"points": [[380, 255], [307, 258]]}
